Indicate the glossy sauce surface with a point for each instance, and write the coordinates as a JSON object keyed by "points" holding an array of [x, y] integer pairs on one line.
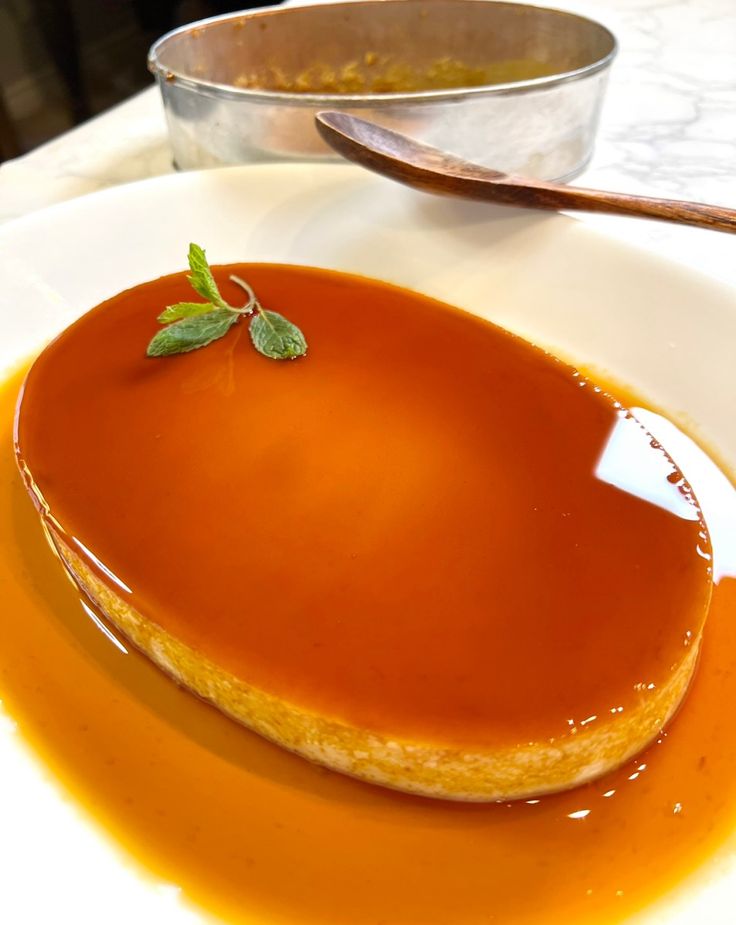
{"points": [[259, 836], [408, 529]]}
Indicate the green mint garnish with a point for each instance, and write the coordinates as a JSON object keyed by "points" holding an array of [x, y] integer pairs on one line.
{"points": [[192, 333], [191, 325], [202, 279], [184, 310], [275, 337]]}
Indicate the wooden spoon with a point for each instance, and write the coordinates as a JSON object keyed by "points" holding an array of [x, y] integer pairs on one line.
{"points": [[426, 168]]}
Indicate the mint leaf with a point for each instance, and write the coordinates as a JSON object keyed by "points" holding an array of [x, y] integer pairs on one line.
{"points": [[195, 324], [275, 337], [201, 278], [192, 333], [184, 310]]}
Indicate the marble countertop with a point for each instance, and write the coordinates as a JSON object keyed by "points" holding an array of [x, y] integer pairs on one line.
{"points": [[668, 129]]}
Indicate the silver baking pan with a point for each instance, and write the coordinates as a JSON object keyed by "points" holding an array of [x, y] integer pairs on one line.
{"points": [[515, 87]]}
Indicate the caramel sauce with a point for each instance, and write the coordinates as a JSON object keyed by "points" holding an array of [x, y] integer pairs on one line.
{"points": [[379, 74], [405, 530], [255, 834]]}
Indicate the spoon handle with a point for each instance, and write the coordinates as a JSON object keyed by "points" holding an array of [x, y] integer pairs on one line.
{"points": [[540, 195]]}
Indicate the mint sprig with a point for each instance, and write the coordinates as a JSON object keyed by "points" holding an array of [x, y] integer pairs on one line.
{"points": [[191, 325]]}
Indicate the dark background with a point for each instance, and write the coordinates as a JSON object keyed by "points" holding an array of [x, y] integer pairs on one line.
{"points": [[62, 61]]}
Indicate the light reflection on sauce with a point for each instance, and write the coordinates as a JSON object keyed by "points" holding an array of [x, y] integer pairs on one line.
{"points": [[716, 496], [255, 834], [629, 463]]}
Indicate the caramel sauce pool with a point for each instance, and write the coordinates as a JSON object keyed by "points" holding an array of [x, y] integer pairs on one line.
{"points": [[254, 834]]}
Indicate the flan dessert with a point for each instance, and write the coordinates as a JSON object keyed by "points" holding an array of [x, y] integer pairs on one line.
{"points": [[427, 554]]}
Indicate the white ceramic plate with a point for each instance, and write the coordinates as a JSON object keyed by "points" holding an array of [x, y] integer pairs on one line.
{"points": [[663, 330]]}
